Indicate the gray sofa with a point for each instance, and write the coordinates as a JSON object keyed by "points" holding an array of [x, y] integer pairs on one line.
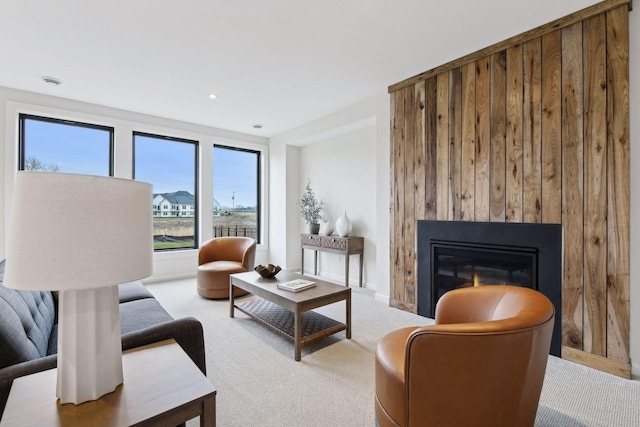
{"points": [[29, 330]]}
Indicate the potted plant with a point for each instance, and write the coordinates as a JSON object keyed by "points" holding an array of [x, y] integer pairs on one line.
{"points": [[311, 210]]}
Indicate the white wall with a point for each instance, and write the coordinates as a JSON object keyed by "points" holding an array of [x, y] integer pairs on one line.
{"points": [[170, 264], [346, 157], [634, 136]]}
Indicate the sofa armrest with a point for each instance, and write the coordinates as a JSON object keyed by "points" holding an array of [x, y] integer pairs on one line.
{"points": [[186, 331]]}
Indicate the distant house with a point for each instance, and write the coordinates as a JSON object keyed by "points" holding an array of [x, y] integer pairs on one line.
{"points": [[173, 205]]}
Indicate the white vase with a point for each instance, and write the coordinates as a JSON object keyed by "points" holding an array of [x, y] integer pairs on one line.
{"points": [[326, 227], [343, 225]]}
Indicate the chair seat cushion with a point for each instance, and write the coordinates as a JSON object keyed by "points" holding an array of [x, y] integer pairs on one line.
{"points": [[390, 377], [227, 267]]}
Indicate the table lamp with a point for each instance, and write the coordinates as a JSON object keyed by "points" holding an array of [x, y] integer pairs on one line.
{"points": [[81, 235]]}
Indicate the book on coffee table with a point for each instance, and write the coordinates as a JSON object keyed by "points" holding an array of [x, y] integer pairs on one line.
{"points": [[296, 285]]}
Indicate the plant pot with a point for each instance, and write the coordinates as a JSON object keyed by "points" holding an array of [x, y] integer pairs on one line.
{"points": [[312, 228]]}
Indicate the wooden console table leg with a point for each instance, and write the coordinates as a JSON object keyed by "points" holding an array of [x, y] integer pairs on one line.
{"points": [[360, 269], [346, 270], [348, 317], [231, 299], [315, 263], [302, 268]]}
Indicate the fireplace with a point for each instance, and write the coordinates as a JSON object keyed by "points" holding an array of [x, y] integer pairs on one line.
{"points": [[454, 254]]}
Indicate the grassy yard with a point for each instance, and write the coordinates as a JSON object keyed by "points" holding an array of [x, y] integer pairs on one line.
{"points": [[182, 228]]}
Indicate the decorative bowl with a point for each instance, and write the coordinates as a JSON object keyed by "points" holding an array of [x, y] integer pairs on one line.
{"points": [[268, 272]]}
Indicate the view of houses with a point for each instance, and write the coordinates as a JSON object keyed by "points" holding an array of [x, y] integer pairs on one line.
{"points": [[176, 204]]}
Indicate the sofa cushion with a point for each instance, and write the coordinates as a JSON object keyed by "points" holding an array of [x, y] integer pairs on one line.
{"points": [[26, 321], [141, 314], [132, 291]]}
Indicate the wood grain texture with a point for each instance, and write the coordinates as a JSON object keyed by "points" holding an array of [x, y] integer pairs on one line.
{"points": [[397, 283], [600, 363], [498, 138], [420, 150], [537, 132], [532, 132], [483, 139], [455, 143], [513, 176], [550, 27], [409, 223], [618, 321], [551, 129], [467, 185], [442, 149], [595, 182], [572, 187], [430, 141]]}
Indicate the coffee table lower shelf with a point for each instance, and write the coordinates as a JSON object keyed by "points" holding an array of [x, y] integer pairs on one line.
{"points": [[314, 326]]}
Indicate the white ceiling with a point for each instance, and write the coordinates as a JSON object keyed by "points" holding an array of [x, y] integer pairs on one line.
{"points": [[279, 63]]}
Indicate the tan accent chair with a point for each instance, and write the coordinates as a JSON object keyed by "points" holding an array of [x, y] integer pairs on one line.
{"points": [[220, 257], [481, 364]]}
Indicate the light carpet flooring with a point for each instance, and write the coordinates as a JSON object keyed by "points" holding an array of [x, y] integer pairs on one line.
{"points": [[259, 384]]}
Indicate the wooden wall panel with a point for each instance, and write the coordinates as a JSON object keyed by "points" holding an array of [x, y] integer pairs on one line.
{"points": [[398, 170], [572, 186], [532, 131], [513, 176], [595, 186], [551, 129], [536, 132], [483, 139], [498, 136], [430, 140], [455, 143], [618, 185], [467, 187], [409, 223], [442, 148], [420, 150]]}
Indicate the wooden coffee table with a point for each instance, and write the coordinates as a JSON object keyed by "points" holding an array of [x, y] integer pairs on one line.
{"points": [[289, 313]]}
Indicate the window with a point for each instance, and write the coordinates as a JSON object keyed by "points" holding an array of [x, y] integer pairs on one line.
{"points": [[236, 192], [57, 145], [170, 164]]}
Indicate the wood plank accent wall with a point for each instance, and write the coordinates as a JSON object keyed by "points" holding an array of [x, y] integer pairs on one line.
{"points": [[534, 129]]}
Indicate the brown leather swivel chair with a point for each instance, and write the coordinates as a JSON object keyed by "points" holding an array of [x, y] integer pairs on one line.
{"points": [[220, 257], [481, 364]]}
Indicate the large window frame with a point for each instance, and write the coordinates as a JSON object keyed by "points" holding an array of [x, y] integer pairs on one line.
{"points": [[22, 134], [259, 195], [196, 189]]}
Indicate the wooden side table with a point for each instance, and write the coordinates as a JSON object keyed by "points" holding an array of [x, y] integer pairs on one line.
{"points": [[350, 245], [162, 386]]}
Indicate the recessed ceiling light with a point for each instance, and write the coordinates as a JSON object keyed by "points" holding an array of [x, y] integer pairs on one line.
{"points": [[257, 126], [52, 81], [213, 96]]}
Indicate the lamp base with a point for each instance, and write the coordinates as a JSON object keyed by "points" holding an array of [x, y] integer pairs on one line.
{"points": [[89, 344]]}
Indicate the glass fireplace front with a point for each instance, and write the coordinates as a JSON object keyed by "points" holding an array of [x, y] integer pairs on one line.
{"points": [[456, 265]]}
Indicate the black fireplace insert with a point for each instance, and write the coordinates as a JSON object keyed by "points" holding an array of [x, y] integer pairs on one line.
{"points": [[454, 254]]}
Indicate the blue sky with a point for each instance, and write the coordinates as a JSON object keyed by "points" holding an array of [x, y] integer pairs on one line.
{"points": [[168, 165]]}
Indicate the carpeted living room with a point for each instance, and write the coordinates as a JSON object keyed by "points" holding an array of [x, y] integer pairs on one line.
{"points": [[395, 161]]}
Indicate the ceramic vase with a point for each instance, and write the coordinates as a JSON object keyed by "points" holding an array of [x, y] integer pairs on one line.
{"points": [[326, 227], [343, 225]]}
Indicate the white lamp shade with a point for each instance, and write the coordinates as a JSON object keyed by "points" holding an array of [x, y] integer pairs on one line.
{"points": [[72, 231]]}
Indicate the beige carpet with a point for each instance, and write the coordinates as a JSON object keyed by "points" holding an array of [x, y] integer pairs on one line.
{"points": [[259, 383]]}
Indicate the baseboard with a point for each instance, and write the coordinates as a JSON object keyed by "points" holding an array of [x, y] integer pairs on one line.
{"points": [[597, 362]]}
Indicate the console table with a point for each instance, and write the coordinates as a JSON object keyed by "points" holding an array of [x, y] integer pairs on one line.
{"points": [[350, 245], [162, 386]]}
